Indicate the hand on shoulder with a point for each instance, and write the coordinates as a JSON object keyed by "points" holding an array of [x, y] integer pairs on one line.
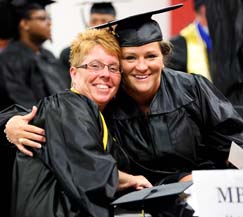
{"points": [[19, 132]]}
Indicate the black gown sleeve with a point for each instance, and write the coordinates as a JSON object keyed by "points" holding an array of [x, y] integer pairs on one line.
{"points": [[221, 123]]}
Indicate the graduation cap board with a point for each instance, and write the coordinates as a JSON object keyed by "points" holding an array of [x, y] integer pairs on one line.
{"points": [[138, 29], [138, 199]]}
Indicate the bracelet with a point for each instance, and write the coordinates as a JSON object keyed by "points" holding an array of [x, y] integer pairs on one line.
{"points": [[5, 131]]}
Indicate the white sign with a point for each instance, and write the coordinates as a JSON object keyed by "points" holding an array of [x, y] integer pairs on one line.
{"points": [[218, 193], [236, 155]]}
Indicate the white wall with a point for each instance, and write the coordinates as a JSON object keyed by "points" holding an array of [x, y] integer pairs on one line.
{"points": [[67, 19]]}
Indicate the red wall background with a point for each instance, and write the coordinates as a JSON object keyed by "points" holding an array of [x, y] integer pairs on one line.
{"points": [[182, 16]]}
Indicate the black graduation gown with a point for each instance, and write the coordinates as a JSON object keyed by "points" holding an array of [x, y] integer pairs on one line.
{"points": [[189, 126], [225, 23], [72, 175], [27, 77]]}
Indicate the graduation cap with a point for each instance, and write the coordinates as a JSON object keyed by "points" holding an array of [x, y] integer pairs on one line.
{"points": [[151, 197], [139, 29], [103, 8], [12, 11]]}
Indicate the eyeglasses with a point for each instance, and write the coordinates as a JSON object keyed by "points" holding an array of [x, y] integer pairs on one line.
{"points": [[41, 18], [96, 66]]}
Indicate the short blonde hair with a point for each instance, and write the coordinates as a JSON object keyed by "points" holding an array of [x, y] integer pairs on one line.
{"points": [[86, 40]]}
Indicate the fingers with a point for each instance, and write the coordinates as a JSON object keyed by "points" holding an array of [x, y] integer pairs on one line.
{"points": [[20, 140], [142, 182], [34, 130], [139, 188], [148, 185], [32, 138], [31, 115], [24, 150], [186, 178], [20, 133], [127, 180], [28, 142], [16, 130], [22, 143]]}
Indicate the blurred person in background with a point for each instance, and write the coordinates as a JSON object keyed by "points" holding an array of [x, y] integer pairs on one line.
{"points": [[100, 12], [192, 47], [225, 23], [213, 46], [30, 71]]}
